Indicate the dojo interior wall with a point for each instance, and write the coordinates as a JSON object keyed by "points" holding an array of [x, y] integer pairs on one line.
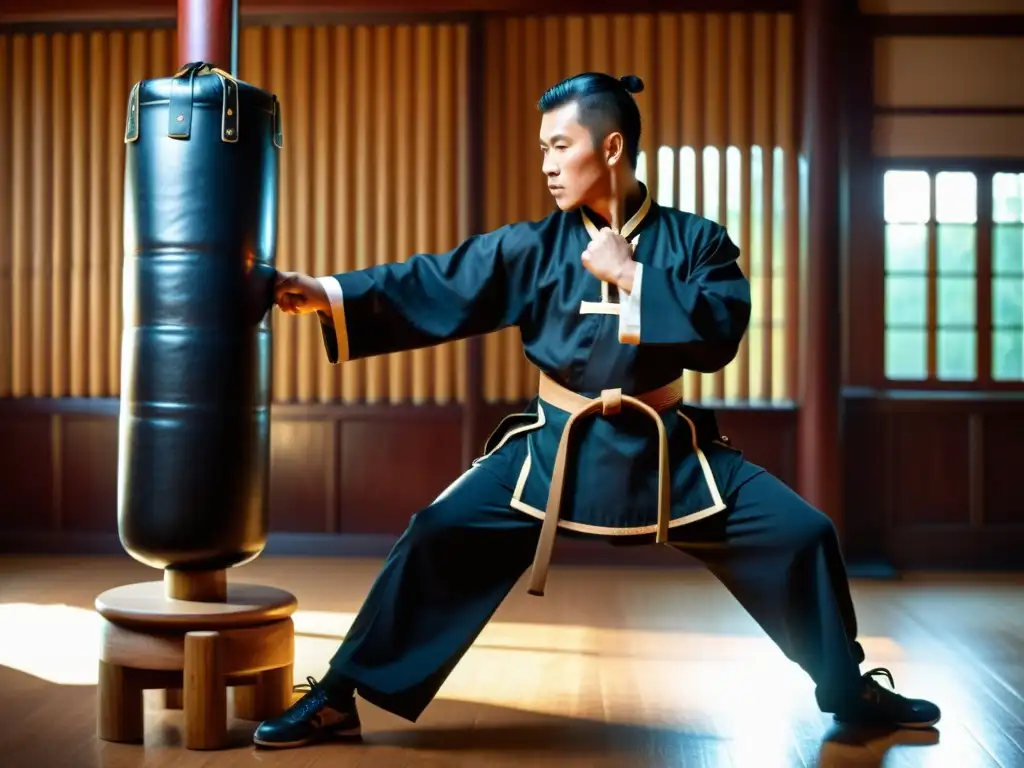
{"points": [[933, 410], [376, 166], [928, 470]]}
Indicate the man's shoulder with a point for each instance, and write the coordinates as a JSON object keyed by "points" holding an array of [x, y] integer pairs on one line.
{"points": [[697, 236], [690, 226]]}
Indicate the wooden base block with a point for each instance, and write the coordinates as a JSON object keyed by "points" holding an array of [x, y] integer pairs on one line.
{"points": [[119, 705], [193, 653]]}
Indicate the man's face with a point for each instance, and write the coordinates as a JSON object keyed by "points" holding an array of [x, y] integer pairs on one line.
{"points": [[576, 170]]}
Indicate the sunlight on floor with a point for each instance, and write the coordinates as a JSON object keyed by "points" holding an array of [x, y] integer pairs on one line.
{"points": [[532, 667]]}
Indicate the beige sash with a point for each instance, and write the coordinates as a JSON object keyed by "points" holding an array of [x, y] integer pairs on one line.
{"points": [[609, 403]]}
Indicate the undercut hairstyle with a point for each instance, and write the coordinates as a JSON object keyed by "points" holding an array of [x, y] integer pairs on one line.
{"points": [[605, 104]]}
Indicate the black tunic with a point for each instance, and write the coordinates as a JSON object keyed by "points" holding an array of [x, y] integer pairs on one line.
{"points": [[688, 309]]}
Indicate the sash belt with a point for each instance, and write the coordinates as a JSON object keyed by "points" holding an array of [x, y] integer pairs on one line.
{"points": [[609, 403]]}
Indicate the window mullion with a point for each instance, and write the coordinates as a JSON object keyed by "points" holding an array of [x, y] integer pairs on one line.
{"points": [[984, 272], [932, 302]]}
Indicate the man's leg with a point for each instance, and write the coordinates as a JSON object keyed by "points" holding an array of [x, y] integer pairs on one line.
{"points": [[782, 561], [442, 582]]}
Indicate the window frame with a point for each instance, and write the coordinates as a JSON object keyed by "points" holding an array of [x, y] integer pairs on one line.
{"points": [[983, 169]]}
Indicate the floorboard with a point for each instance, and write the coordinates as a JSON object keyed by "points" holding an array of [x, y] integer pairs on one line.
{"points": [[615, 667]]}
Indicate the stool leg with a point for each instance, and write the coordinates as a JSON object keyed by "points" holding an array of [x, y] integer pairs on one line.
{"points": [[205, 692], [173, 698], [270, 697], [118, 705]]}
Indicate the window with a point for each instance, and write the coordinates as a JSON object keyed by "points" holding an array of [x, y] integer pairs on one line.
{"points": [[954, 276], [752, 191], [1008, 277]]}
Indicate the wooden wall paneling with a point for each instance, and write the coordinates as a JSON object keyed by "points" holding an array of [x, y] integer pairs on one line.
{"points": [[390, 468], [1001, 464], [370, 11], [344, 479], [30, 499], [933, 484], [87, 472], [304, 475], [928, 468]]}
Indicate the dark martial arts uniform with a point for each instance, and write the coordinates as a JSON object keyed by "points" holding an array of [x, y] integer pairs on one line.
{"points": [[460, 556]]}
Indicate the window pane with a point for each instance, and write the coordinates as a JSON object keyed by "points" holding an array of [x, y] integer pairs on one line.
{"points": [[666, 176], [956, 297], [688, 179], [1008, 198], [906, 301], [779, 284], [1007, 355], [956, 355], [906, 354], [1007, 302], [956, 246], [907, 196], [733, 182], [711, 161], [1008, 250], [956, 197], [779, 211], [757, 203], [906, 247]]}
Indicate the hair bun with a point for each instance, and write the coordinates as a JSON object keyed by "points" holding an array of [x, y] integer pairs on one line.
{"points": [[632, 83]]}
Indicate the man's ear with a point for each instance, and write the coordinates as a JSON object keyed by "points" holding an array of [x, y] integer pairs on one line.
{"points": [[614, 148]]}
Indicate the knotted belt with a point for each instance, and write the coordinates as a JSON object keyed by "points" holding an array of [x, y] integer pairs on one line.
{"points": [[609, 403]]}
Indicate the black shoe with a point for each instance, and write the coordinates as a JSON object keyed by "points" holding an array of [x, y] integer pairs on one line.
{"points": [[313, 718], [878, 706]]}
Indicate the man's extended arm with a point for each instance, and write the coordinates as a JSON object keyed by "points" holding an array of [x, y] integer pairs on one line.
{"points": [[478, 287]]}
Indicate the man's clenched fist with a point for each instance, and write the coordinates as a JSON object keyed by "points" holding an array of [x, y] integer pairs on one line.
{"points": [[299, 294]]}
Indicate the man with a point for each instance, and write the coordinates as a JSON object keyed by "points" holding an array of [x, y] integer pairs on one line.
{"points": [[611, 315]]}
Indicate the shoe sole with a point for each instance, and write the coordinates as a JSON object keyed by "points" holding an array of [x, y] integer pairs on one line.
{"points": [[352, 734], [918, 726]]}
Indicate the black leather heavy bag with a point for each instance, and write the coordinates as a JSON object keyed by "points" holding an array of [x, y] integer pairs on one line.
{"points": [[200, 231]]}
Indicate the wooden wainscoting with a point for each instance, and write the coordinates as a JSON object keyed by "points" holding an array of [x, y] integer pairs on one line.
{"points": [[344, 478], [933, 481]]}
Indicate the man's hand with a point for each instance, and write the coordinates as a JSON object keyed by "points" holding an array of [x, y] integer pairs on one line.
{"points": [[609, 256], [299, 294]]}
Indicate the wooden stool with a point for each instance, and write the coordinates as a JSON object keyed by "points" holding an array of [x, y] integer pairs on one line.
{"points": [[200, 644]]}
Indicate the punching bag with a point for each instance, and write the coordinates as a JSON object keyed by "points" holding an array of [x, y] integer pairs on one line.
{"points": [[200, 231]]}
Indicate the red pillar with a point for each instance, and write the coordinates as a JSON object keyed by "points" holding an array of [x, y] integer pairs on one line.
{"points": [[206, 31], [818, 466]]}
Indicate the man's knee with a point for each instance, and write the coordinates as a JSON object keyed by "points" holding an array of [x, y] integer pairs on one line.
{"points": [[808, 528]]}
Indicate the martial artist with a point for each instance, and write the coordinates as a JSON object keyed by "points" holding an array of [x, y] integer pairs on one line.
{"points": [[614, 297]]}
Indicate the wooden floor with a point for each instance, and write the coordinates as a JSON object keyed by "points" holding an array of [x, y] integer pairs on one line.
{"points": [[618, 667]]}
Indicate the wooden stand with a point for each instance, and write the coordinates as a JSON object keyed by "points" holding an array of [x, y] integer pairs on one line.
{"points": [[193, 635]]}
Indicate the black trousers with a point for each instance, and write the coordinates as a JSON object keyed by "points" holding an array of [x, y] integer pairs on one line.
{"points": [[459, 558]]}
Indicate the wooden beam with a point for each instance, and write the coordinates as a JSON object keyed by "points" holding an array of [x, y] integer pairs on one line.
{"points": [[818, 468], [206, 29], [255, 11]]}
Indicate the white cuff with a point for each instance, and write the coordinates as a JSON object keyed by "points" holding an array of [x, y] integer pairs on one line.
{"points": [[629, 309], [337, 299]]}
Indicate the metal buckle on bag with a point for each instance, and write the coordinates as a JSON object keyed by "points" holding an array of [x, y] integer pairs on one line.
{"points": [[229, 110], [180, 114], [131, 125], [179, 111]]}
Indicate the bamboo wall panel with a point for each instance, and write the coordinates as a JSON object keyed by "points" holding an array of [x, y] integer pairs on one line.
{"points": [[373, 170], [720, 109], [61, 188]]}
